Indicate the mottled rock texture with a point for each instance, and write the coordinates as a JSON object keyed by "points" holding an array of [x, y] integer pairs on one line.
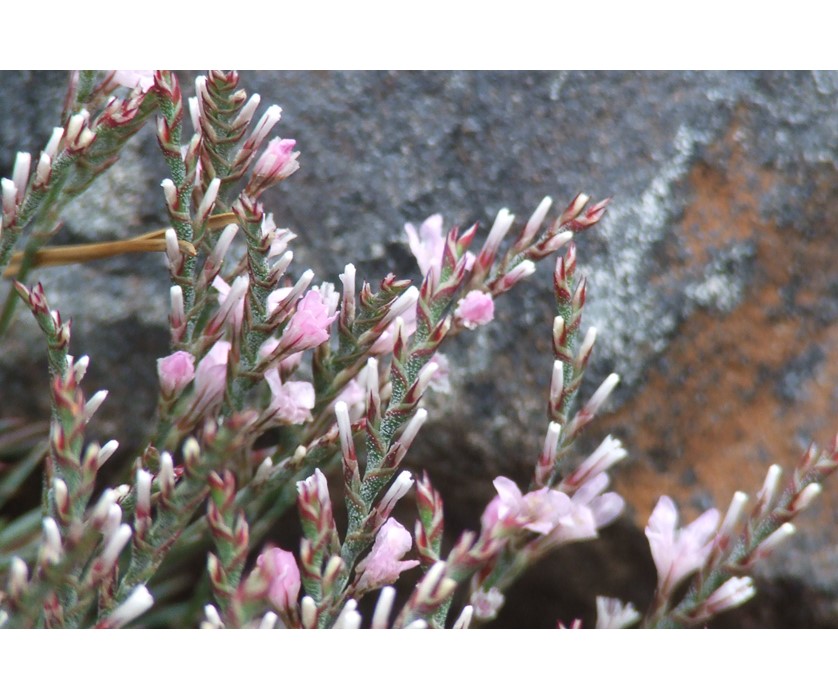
{"points": [[711, 280]]}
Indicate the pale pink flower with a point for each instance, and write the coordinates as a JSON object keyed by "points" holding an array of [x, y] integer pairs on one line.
{"points": [[475, 309], [309, 325], [606, 507], [440, 381], [538, 511], [613, 614], [278, 160], [280, 569], [487, 603], [678, 552], [211, 377], [428, 244], [292, 401], [383, 565], [142, 79], [578, 523], [175, 372]]}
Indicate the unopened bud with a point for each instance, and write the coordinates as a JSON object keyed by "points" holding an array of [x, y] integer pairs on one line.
{"points": [[396, 491], [166, 475], [586, 347], [247, 112], [195, 114], [574, 208], [170, 194], [774, 540], [173, 253], [93, 403], [18, 578], [20, 173], [602, 393], [80, 367], [114, 546], [464, 620], [349, 618], [42, 171], [767, 495], [383, 607], [406, 300], [178, 315], [212, 620], [535, 221], [208, 200], [51, 546], [135, 605], [804, 499], [264, 126], [516, 274], [62, 497], [106, 452], [143, 493], [412, 428], [51, 149], [191, 450], [9, 191], [733, 518], [556, 384], [308, 612]]}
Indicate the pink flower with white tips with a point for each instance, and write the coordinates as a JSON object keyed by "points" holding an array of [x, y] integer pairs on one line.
{"points": [[309, 326], [475, 309], [678, 552], [384, 564], [278, 161]]}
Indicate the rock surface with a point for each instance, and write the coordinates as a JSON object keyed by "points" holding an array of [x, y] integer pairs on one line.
{"points": [[711, 282]]}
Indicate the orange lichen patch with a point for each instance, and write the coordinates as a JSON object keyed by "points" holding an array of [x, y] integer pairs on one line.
{"points": [[714, 412]]}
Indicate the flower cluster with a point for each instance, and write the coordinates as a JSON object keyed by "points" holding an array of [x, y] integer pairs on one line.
{"points": [[279, 392]]}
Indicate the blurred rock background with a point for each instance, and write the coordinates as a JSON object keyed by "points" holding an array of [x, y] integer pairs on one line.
{"points": [[712, 283]]}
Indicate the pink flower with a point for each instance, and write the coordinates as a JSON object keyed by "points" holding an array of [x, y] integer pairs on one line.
{"points": [[175, 372], [606, 507], [309, 326], [475, 309], [292, 401], [211, 377], [428, 244], [278, 161], [383, 565], [613, 614], [280, 569], [678, 552], [142, 79], [539, 511], [487, 603], [440, 381]]}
